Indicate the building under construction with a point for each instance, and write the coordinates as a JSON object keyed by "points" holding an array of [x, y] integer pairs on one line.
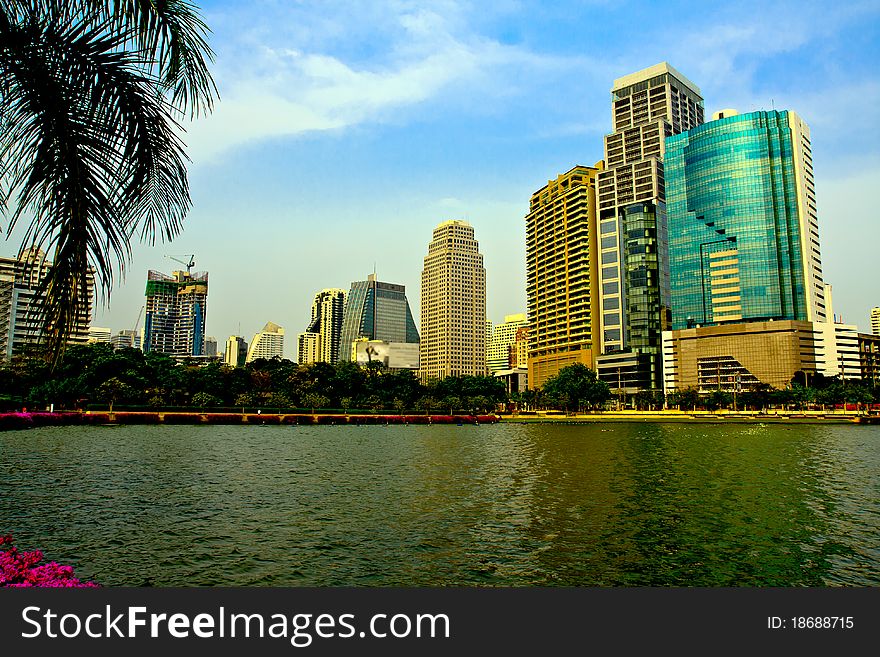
{"points": [[174, 320]]}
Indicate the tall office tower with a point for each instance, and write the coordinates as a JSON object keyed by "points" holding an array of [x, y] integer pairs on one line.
{"points": [[875, 321], [647, 107], [327, 313], [561, 274], [453, 304], [174, 319], [376, 311], [503, 336], [743, 231], [236, 351], [20, 319], [268, 343], [308, 348], [126, 338], [210, 346]]}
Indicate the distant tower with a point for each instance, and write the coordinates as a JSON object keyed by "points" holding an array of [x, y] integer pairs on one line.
{"points": [[376, 311], [308, 348], [236, 351], [327, 312], [174, 319], [503, 337], [268, 343], [453, 304], [875, 320]]}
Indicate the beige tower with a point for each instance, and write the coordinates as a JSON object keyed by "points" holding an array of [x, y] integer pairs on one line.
{"points": [[453, 304], [326, 324], [875, 320], [561, 274]]}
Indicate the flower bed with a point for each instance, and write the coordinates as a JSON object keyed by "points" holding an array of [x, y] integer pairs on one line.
{"points": [[55, 419], [24, 570], [11, 421]]}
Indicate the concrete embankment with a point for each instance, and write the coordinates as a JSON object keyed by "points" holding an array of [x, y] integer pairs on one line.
{"points": [[704, 417]]}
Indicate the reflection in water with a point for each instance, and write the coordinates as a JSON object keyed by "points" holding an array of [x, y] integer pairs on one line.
{"points": [[515, 505]]}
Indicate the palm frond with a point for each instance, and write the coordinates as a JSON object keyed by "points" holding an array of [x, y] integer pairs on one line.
{"points": [[88, 149]]}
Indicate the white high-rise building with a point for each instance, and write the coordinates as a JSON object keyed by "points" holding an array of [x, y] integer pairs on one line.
{"points": [[837, 344], [453, 304], [503, 336], [268, 343], [99, 334], [20, 323], [308, 348], [126, 338]]}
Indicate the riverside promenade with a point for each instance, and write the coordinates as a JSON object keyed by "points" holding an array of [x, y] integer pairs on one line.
{"points": [[723, 416]]}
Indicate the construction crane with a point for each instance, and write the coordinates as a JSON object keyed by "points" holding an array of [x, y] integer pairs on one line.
{"points": [[189, 264], [134, 331]]}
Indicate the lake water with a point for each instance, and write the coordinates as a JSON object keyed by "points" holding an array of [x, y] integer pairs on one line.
{"points": [[503, 505]]}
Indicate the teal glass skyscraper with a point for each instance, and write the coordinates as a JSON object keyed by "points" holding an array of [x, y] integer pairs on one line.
{"points": [[377, 311], [743, 228]]}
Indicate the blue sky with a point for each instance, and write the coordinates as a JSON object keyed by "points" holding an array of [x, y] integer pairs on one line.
{"points": [[347, 130]]}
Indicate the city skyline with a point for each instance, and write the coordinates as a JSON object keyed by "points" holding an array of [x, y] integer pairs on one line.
{"points": [[465, 105]]}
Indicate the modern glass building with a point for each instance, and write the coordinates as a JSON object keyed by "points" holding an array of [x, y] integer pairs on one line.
{"points": [[648, 107], [743, 231], [376, 311]]}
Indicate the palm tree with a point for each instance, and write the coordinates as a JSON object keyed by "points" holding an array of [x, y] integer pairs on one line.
{"points": [[91, 92]]}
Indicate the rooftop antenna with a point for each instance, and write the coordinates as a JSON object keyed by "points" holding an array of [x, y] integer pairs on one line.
{"points": [[772, 105]]}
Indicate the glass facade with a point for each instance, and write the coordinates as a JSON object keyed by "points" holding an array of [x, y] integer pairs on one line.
{"points": [[647, 283], [378, 311], [735, 245]]}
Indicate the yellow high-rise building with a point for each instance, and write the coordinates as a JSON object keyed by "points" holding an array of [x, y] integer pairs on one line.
{"points": [[562, 274], [453, 304]]}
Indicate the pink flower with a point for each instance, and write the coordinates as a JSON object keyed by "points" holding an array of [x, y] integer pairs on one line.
{"points": [[23, 569]]}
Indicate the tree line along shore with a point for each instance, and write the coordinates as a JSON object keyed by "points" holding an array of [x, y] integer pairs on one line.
{"points": [[97, 378]]}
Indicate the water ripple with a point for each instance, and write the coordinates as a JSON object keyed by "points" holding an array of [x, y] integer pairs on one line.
{"points": [[586, 505]]}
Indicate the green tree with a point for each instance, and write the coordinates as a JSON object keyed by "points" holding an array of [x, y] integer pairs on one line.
{"points": [[313, 400], [90, 94], [203, 399], [114, 390], [685, 400], [718, 399], [577, 385]]}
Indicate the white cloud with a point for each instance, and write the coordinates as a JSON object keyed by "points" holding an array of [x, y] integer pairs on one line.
{"points": [[287, 90]]}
